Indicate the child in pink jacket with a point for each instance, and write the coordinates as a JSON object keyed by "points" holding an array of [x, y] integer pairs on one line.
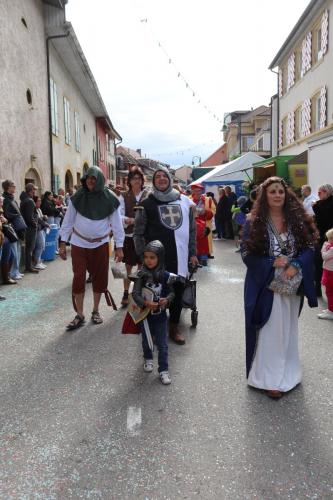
{"points": [[327, 279]]}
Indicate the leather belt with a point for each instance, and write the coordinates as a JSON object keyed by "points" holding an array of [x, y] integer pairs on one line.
{"points": [[90, 240]]}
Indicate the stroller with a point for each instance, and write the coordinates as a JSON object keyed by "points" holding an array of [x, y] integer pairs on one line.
{"points": [[190, 295]]}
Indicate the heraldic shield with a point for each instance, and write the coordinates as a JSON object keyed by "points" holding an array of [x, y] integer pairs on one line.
{"points": [[171, 216]]}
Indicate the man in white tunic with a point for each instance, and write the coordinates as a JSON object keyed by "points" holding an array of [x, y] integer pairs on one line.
{"points": [[92, 211]]}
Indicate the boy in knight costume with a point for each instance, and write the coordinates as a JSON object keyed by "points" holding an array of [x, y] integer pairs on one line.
{"points": [[153, 290]]}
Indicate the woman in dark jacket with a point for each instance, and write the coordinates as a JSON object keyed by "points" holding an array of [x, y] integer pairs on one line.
{"points": [[323, 213], [222, 210], [48, 207]]}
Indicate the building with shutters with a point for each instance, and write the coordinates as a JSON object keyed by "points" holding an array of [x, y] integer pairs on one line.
{"points": [[305, 91]]}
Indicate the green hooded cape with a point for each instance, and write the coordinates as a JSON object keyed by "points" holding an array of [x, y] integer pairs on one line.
{"points": [[97, 204]]}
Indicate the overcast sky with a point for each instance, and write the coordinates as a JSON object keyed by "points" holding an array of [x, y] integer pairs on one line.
{"points": [[221, 47]]}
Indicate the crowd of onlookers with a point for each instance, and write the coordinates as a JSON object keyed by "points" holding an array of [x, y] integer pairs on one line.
{"points": [[25, 225]]}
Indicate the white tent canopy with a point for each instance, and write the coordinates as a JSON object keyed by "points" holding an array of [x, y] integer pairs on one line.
{"points": [[233, 171]]}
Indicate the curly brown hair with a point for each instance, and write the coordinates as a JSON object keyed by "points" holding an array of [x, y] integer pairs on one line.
{"points": [[134, 172], [299, 222]]}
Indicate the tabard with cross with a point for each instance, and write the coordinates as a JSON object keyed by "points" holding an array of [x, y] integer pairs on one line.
{"points": [[171, 215]]}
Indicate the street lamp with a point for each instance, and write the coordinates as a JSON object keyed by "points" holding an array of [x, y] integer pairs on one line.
{"points": [[199, 157]]}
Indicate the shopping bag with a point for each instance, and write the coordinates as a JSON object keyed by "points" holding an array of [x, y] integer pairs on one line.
{"points": [[118, 270]]}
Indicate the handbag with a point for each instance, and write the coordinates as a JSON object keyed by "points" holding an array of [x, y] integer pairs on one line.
{"points": [[10, 233], [19, 223], [279, 283]]}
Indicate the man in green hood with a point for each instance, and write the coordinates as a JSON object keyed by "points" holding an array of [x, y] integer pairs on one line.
{"points": [[93, 211]]}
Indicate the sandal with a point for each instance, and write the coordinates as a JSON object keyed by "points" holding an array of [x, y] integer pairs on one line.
{"points": [[96, 318], [77, 322]]}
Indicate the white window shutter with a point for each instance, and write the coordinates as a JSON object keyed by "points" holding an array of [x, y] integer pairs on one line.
{"points": [[306, 117], [324, 32], [323, 107], [291, 71], [280, 134], [280, 83], [290, 133], [306, 53]]}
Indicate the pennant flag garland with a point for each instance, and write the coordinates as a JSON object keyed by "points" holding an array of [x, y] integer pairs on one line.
{"points": [[180, 75]]}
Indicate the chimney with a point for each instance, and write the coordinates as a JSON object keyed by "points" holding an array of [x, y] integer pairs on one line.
{"points": [[139, 152]]}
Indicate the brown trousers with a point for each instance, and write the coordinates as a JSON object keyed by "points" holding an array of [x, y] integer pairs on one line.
{"points": [[96, 262]]}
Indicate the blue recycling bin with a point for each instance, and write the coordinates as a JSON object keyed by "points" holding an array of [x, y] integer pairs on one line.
{"points": [[51, 243]]}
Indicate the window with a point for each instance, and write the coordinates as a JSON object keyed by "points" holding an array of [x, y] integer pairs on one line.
{"points": [[298, 123], [67, 120], [261, 144], [77, 132], [315, 112], [247, 141], [54, 107]]}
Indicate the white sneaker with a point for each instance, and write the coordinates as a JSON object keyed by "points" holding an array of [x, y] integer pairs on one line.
{"points": [[18, 277], [40, 266], [148, 366], [165, 378], [325, 315]]}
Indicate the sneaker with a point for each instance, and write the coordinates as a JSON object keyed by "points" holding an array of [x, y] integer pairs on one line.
{"points": [[325, 315], [18, 277], [148, 366], [40, 266], [165, 378]]}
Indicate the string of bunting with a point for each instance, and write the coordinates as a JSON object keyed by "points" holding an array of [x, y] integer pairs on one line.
{"points": [[181, 77], [182, 151]]}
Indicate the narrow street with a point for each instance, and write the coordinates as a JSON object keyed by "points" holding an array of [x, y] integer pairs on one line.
{"points": [[80, 418]]}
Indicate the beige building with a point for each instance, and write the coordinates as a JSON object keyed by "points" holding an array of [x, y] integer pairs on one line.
{"points": [[248, 130], [49, 134], [183, 174], [305, 91], [24, 125]]}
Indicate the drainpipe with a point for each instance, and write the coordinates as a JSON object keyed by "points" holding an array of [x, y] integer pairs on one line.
{"points": [[49, 101], [278, 114], [271, 131], [115, 154]]}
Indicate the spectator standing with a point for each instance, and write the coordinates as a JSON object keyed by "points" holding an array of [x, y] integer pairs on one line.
{"points": [[6, 251], [221, 215], [232, 200], [323, 210], [167, 216], [29, 213], [308, 199], [327, 279], [40, 239], [13, 215]]}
